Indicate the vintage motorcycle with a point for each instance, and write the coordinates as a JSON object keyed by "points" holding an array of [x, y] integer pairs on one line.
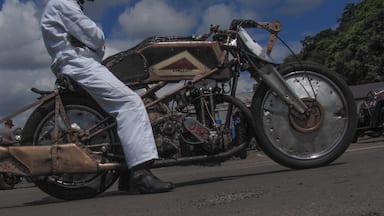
{"points": [[301, 114]]}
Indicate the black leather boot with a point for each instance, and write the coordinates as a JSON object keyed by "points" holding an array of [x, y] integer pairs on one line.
{"points": [[141, 179], [145, 182], [124, 179]]}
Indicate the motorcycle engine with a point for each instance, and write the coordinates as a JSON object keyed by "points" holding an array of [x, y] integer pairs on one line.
{"points": [[179, 135], [197, 135]]}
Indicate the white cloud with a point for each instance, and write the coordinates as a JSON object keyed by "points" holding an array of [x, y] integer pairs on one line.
{"points": [[222, 14], [154, 17], [219, 14], [20, 36], [15, 89], [246, 83], [24, 62], [118, 45]]}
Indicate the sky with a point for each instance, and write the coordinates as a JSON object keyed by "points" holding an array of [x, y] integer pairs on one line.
{"points": [[24, 62]]}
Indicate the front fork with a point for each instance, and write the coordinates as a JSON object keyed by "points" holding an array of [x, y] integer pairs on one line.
{"points": [[275, 81]]}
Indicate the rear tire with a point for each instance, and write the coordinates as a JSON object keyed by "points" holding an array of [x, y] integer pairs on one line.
{"points": [[7, 181], [319, 139], [38, 130]]}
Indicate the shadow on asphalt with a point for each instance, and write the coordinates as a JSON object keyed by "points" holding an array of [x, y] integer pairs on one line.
{"points": [[232, 177], [45, 201], [227, 178], [51, 200]]}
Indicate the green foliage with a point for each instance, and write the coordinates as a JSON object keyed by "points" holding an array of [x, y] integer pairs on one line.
{"points": [[355, 49]]}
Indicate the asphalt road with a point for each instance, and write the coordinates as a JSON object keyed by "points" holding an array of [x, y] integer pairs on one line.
{"points": [[352, 185]]}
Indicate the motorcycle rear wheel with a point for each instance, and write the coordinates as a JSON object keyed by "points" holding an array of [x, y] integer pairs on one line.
{"points": [[320, 137], [84, 113], [8, 181]]}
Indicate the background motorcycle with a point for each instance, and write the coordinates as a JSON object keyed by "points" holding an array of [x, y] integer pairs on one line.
{"points": [[301, 115], [371, 114]]}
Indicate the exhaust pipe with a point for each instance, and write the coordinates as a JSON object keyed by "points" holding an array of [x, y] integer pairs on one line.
{"points": [[48, 160]]}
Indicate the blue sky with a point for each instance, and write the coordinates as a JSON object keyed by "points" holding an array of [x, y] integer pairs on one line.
{"points": [[24, 62]]}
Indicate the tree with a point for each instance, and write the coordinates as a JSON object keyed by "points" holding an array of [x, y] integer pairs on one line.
{"points": [[355, 49]]}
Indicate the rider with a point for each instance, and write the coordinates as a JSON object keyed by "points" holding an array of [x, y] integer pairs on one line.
{"points": [[76, 45]]}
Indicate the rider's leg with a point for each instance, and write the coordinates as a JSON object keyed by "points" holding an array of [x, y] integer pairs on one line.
{"points": [[133, 125]]}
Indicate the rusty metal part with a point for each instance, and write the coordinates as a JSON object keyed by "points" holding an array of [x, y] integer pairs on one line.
{"points": [[48, 160], [311, 120], [271, 43], [274, 28], [60, 112]]}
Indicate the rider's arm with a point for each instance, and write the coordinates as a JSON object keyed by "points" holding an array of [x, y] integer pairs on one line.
{"points": [[81, 27]]}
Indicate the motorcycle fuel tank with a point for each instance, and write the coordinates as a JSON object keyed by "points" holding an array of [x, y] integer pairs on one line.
{"points": [[165, 59]]}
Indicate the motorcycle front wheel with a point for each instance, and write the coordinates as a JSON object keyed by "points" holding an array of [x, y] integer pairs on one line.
{"points": [[315, 138], [82, 113]]}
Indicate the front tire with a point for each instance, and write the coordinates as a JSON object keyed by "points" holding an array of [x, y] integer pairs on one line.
{"points": [[323, 135], [84, 113]]}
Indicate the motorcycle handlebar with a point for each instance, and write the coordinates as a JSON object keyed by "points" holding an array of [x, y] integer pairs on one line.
{"points": [[273, 27]]}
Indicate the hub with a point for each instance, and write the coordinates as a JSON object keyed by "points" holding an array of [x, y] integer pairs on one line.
{"points": [[309, 121]]}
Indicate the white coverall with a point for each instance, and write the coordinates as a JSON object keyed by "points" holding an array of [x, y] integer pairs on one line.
{"points": [[64, 17]]}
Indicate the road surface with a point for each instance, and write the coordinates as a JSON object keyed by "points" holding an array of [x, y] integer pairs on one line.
{"points": [[352, 185]]}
